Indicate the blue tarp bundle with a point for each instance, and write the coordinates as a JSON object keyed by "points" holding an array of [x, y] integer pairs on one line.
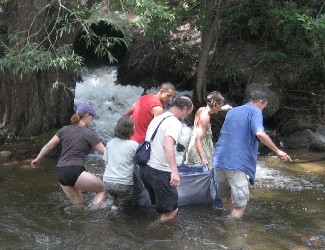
{"points": [[195, 187]]}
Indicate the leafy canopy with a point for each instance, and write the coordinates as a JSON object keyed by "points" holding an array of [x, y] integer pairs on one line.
{"points": [[40, 48]]}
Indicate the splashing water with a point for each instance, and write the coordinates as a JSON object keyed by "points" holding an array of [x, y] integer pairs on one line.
{"points": [[274, 178], [110, 100]]}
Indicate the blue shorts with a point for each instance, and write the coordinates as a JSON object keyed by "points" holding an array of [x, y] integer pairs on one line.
{"points": [[161, 193], [68, 176]]}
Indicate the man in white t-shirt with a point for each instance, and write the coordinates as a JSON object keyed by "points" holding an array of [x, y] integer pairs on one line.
{"points": [[160, 175]]}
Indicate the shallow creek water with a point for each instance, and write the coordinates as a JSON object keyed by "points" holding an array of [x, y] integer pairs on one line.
{"points": [[286, 211]]}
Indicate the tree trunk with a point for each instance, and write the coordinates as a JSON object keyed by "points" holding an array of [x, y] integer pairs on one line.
{"points": [[30, 105], [208, 37], [209, 33]]}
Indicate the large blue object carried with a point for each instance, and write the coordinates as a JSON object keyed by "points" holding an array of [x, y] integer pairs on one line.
{"points": [[196, 187]]}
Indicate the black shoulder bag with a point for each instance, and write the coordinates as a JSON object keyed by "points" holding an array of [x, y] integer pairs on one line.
{"points": [[142, 155]]}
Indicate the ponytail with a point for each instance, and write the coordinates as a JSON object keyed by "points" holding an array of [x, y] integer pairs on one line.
{"points": [[75, 119]]}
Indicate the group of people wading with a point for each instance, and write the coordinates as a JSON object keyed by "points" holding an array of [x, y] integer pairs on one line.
{"points": [[232, 162]]}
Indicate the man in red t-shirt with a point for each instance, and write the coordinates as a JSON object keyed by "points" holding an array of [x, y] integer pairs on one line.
{"points": [[147, 107]]}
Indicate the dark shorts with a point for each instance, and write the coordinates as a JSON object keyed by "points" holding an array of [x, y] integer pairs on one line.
{"points": [[161, 193], [68, 176]]}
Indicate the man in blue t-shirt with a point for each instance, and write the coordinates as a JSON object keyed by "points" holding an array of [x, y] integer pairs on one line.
{"points": [[235, 154]]}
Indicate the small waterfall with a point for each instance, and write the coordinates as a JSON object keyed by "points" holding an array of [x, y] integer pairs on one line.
{"points": [[110, 100]]}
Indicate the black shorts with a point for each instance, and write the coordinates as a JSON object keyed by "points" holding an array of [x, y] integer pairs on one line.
{"points": [[68, 176], [161, 193]]}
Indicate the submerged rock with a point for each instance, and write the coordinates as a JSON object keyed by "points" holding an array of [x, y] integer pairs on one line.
{"points": [[5, 155], [318, 141]]}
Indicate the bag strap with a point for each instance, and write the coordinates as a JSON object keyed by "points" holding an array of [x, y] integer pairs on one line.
{"points": [[154, 133]]}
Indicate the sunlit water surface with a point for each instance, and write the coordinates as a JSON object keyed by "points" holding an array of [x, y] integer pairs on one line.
{"points": [[286, 210]]}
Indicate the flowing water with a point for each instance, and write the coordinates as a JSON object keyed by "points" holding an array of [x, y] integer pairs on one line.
{"points": [[286, 210]]}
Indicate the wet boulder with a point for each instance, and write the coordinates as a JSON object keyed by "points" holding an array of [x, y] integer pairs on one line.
{"points": [[273, 98], [300, 139], [291, 126], [318, 141], [2, 138], [5, 156]]}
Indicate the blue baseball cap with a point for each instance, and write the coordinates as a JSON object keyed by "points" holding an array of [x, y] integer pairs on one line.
{"points": [[85, 108]]}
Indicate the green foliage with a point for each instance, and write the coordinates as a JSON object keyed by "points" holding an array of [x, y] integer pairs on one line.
{"points": [[34, 58], [274, 57], [293, 30], [101, 43], [23, 56], [158, 17], [255, 25], [234, 22], [232, 73], [313, 25], [43, 138], [66, 58], [60, 85], [4, 4], [104, 43], [284, 29]]}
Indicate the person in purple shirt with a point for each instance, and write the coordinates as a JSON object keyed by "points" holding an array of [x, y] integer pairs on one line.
{"points": [[235, 155], [77, 141]]}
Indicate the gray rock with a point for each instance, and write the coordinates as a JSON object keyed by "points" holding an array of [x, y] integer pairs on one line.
{"points": [[300, 139], [5, 156], [294, 125], [318, 142], [321, 130], [273, 99]]}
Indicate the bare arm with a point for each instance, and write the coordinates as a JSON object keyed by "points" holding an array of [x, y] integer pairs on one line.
{"points": [[201, 128], [100, 148], [157, 110], [129, 111], [45, 150], [226, 107], [266, 140], [169, 150]]}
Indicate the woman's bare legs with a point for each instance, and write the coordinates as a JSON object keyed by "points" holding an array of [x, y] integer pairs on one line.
{"points": [[90, 183], [86, 182], [73, 193]]}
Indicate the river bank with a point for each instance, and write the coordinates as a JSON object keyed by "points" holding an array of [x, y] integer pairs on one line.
{"points": [[18, 151]]}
